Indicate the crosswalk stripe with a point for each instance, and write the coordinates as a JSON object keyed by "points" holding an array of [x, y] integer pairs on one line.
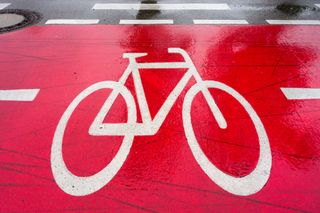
{"points": [[152, 21], [72, 21], [187, 6], [220, 21], [4, 5], [294, 22]]}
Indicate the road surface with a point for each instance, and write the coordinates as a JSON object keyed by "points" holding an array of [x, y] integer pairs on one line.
{"points": [[161, 106]]}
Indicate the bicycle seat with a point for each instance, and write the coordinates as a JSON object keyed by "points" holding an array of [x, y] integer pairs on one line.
{"points": [[134, 55]]}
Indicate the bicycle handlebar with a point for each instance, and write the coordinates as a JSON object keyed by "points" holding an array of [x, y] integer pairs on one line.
{"points": [[181, 52]]}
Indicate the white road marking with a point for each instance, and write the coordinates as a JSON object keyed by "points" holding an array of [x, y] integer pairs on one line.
{"points": [[294, 22], [72, 21], [4, 5], [301, 93], [189, 6], [318, 5], [220, 21], [80, 186], [246, 185], [152, 21], [18, 94], [85, 185]]}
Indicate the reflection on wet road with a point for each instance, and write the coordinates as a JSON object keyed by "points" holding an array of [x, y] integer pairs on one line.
{"points": [[274, 68]]}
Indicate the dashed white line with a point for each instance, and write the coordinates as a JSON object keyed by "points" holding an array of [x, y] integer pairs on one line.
{"points": [[143, 22], [72, 21], [301, 93], [187, 6], [4, 5], [220, 21], [294, 22], [18, 94]]}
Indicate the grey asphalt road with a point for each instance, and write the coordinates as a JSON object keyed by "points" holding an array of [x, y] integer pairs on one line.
{"points": [[255, 12]]}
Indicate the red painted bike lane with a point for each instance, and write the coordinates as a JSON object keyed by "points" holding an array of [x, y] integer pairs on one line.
{"points": [[273, 70]]}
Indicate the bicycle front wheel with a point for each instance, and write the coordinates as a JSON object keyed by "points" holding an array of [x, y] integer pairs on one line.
{"points": [[80, 186], [249, 184]]}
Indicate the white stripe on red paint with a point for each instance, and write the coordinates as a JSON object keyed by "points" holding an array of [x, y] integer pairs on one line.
{"points": [[301, 93], [18, 94], [187, 6], [144, 22], [72, 21], [4, 5], [294, 22], [220, 21]]}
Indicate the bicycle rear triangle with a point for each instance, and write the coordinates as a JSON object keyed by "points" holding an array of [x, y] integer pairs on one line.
{"points": [[79, 186]]}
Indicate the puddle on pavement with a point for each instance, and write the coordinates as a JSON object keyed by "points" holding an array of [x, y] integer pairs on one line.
{"points": [[147, 14], [294, 10]]}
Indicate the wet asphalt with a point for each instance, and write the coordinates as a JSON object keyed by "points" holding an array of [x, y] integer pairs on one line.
{"points": [[254, 13]]}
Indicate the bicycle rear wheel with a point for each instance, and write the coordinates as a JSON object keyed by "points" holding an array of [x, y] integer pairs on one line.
{"points": [[78, 185], [249, 184]]}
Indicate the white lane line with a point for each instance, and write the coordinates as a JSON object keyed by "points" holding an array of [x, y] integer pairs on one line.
{"points": [[18, 94], [4, 5], [72, 21], [318, 5], [301, 93], [150, 21], [294, 22], [220, 21], [188, 6]]}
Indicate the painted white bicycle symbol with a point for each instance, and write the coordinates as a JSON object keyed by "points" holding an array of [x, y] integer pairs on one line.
{"points": [[80, 185]]}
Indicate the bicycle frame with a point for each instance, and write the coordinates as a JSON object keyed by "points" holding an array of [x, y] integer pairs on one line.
{"points": [[151, 126]]}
